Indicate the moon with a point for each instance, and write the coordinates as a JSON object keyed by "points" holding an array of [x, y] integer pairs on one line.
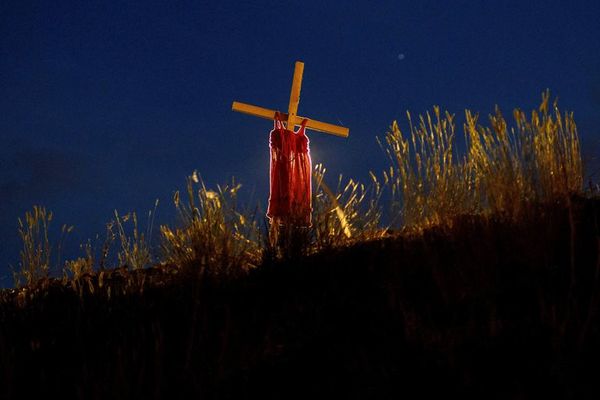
{"points": [[401, 56]]}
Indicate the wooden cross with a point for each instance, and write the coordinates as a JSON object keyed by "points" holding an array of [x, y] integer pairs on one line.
{"points": [[291, 117]]}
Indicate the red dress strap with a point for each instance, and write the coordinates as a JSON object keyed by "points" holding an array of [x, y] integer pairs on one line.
{"points": [[277, 124]]}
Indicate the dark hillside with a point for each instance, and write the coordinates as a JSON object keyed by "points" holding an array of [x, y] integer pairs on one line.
{"points": [[484, 309]]}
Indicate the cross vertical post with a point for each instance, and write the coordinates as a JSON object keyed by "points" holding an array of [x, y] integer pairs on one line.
{"points": [[295, 95]]}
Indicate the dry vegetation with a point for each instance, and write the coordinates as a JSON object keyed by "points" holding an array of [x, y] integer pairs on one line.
{"points": [[502, 172], [214, 236], [481, 279]]}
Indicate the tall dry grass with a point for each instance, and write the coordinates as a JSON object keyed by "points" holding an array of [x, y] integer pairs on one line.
{"points": [[348, 213], [135, 251], [35, 258], [213, 235], [503, 169]]}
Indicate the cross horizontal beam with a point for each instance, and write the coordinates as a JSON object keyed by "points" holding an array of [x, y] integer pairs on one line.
{"points": [[310, 123]]}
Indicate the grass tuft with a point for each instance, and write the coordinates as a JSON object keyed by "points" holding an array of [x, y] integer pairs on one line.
{"points": [[350, 213], [36, 255], [213, 236]]}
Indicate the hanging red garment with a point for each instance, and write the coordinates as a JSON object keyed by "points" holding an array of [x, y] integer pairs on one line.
{"points": [[291, 193]]}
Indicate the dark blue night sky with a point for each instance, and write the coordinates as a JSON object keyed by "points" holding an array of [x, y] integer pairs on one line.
{"points": [[110, 105]]}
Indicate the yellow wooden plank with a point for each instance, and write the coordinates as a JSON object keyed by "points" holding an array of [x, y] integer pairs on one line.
{"points": [[295, 95], [326, 127], [253, 110], [312, 124]]}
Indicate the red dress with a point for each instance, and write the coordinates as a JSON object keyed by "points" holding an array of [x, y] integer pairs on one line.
{"points": [[290, 198]]}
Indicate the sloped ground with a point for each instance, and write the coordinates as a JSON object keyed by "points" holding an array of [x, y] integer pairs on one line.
{"points": [[486, 309]]}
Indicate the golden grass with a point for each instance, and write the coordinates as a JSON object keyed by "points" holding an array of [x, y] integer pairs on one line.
{"points": [[502, 170], [36, 255], [347, 214], [135, 250], [75, 269], [214, 236]]}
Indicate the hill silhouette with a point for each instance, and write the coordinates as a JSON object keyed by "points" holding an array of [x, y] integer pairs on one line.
{"points": [[485, 307]]}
